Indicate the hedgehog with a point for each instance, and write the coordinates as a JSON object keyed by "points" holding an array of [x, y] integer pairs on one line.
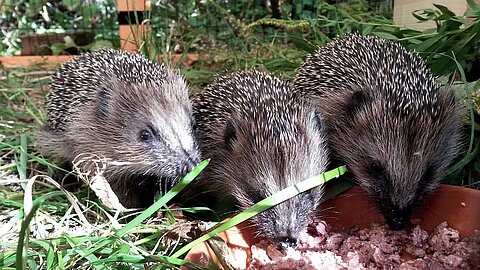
{"points": [[385, 118], [132, 112], [260, 141]]}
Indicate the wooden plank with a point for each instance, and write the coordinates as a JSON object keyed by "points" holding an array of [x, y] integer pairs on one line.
{"points": [[132, 36], [133, 5], [46, 62], [52, 61]]}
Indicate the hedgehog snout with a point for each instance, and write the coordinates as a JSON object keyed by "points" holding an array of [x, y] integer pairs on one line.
{"points": [[397, 223], [284, 222], [287, 236], [284, 243], [396, 218]]}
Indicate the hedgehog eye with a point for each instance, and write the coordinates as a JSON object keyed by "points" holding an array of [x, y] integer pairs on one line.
{"points": [[376, 170], [146, 135]]}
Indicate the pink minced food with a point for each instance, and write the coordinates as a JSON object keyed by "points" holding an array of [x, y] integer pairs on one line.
{"points": [[375, 248]]}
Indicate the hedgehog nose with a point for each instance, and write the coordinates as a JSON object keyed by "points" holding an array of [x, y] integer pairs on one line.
{"points": [[397, 223], [285, 242], [189, 165]]}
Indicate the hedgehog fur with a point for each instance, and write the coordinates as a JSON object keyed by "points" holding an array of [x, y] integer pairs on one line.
{"points": [[260, 141], [385, 117], [122, 107]]}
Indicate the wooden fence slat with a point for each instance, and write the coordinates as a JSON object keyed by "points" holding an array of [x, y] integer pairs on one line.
{"points": [[131, 34]]}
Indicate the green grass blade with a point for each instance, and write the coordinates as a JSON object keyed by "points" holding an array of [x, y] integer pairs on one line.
{"points": [[22, 163], [164, 199], [153, 208], [50, 257], [21, 256], [74, 243], [471, 152], [135, 259], [264, 204]]}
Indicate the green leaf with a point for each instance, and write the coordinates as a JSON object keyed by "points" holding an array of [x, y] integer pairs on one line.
{"points": [[444, 10], [300, 42], [367, 30], [473, 5], [23, 236], [34, 7], [50, 257], [69, 42], [22, 163], [419, 17], [136, 259], [429, 44], [98, 45], [164, 199]]}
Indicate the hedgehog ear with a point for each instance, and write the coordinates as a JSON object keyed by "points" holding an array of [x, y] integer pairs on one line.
{"points": [[103, 99], [230, 134], [357, 102]]}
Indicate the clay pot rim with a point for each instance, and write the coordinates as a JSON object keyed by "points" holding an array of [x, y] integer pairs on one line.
{"points": [[444, 198]]}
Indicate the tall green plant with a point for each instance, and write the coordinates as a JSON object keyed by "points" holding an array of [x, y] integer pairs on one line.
{"points": [[454, 35]]}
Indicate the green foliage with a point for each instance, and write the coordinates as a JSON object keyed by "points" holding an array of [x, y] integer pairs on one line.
{"points": [[466, 170], [107, 252], [69, 43], [55, 16], [453, 35], [206, 19]]}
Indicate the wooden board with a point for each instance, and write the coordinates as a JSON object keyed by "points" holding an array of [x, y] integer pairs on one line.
{"points": [[51, 61], [133, 5], [46, 62]]}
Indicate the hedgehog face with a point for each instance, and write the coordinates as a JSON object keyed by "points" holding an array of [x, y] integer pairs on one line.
{"points": [[262, 159], [399, 158], [128, 110], [150, 128], [261, 139]]}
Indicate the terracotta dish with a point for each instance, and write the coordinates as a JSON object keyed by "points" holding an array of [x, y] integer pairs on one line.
{"points": [[459, 206]]}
